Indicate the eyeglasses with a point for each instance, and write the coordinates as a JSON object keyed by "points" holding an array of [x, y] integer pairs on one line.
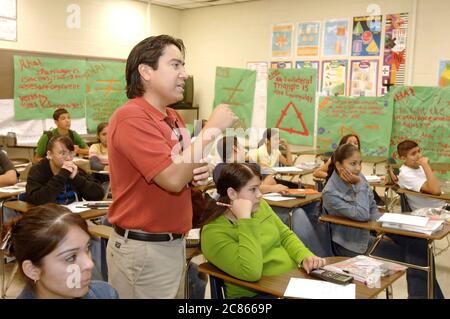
{"points": [[65, 154]]}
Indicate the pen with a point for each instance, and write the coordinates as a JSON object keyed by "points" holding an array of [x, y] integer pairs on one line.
{"points": [[223, 204]]}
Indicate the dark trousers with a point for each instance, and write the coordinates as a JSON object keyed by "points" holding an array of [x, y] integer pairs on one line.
{"points": [[406, 249]]}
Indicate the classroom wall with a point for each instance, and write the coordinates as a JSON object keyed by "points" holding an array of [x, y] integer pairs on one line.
{"points": [[232, 35], [109, 28]]}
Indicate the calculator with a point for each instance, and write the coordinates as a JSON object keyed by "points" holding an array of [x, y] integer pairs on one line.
{"points": [[331, 276]]}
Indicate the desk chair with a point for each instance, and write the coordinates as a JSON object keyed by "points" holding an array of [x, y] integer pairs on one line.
{"points": [[404, 203], [320, 184], [217, 288], [329, 232]]}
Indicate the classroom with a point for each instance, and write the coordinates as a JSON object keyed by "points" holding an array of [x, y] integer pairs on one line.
{"points": [[309, 73]]}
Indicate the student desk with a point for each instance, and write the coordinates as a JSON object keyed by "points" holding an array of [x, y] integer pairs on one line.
{"points": [[294, 203], [23, 207], [4, 195], [276, 285], [374, 160], [444, 197], [381, 231], [293, 174], [204, 188]]}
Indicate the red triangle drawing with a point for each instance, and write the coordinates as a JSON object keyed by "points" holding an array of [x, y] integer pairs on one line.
{"points": [[290, 130]]}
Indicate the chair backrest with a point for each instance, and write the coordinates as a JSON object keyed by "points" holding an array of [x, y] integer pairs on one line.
{"points": [[217, 287], [404, 203], [320, 184], [329, 232]]}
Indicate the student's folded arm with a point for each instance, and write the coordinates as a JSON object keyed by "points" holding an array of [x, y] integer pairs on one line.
{"points": [[240, 258], [87, 187], [321, 172], [39, 193], [342, 205], [8, 178], [294, 246]]}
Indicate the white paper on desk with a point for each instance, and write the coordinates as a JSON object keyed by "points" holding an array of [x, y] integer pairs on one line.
{"points": [[372, 178], [284, 169], [277, 197], [318, 289], [194, 233], [12, 189], [75, 207], [403, 219]]}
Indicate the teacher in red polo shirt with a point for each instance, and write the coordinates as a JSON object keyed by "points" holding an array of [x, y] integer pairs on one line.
{"points": [[151, 165]]}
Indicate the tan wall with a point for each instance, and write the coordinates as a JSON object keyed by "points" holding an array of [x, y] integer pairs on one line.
{"points": [[109, 28], [228, 35]]}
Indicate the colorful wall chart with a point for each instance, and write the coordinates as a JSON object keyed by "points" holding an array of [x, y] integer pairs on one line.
{"points": [[366, 36], [236, 87], [311, 65], [335, 37], [368, 117], [444, 73], [395, 40], [282, 40], [334, 77], [290, 104], [308, 35], [363, 78], [281, 65]]}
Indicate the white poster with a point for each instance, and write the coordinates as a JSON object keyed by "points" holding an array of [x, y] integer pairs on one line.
{"points": [[8, 29], [260, 99]]}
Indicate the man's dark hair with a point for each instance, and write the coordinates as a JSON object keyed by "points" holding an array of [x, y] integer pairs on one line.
{"points": [[58, 113], [148, 52]]}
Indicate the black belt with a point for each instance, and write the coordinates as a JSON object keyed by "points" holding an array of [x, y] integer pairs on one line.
{"points": [[146, 236]]}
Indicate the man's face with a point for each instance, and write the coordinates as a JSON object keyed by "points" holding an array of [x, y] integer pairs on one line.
{"points": [[166, 84]]}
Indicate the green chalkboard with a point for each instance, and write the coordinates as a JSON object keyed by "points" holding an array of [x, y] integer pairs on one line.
{"points": [[290, 104], [236, 87], [368, 117]]}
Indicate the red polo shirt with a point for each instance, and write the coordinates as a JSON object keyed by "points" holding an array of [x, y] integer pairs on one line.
{"points": [[140, 143]]}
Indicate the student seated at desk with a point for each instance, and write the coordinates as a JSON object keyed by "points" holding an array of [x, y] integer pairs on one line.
{"points": [[247, 240], [302, 218], [347, 193], [417, 175], [267, 154], [57, 179], [62, 121], [98, 152], [322, 171], [8, 175], [51, 245]]}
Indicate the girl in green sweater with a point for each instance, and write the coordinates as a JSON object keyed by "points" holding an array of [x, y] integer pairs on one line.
{"points": [[245, 238]]}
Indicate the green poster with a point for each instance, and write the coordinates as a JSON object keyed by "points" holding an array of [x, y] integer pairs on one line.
{"points": [[236, 87], [423, 114], [42, 85], [105, 91], [290, 104], [368, 117]]}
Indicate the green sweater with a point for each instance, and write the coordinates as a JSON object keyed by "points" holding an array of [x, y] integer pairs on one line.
{"points": [[251, 248]]}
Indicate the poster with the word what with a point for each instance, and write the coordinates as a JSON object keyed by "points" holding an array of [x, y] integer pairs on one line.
{"points": [[363, 78], [423, 114], [366, 36], [308, 35], [334, 77], [290, 104], [335, 38], [236, 87], [42, 85], [395, 40], [368, 117], [281, 43], [105, 91]]}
